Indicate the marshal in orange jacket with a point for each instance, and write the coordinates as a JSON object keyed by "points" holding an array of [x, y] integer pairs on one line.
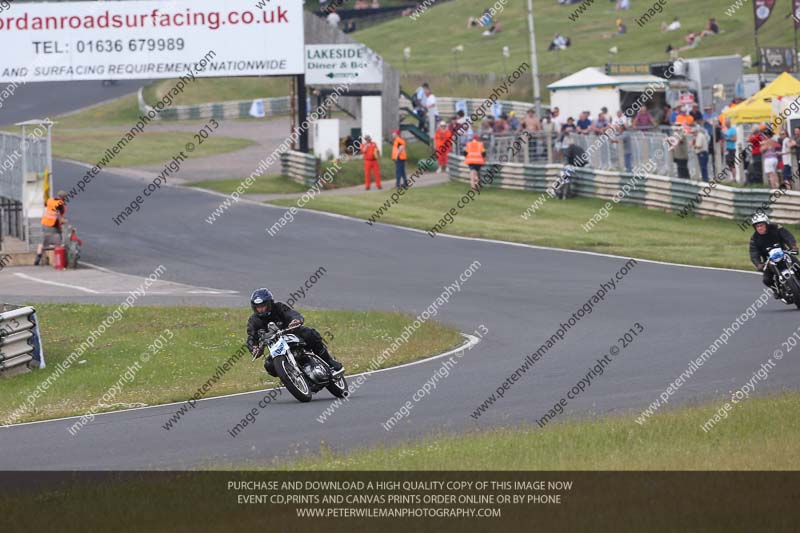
{"points": [[396, 152], [443, 140]]}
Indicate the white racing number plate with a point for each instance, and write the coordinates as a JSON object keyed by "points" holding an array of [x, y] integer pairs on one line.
{"points": [[279, 348]]}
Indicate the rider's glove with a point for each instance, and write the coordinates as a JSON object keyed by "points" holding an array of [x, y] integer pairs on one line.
{"points": [[294, 323], [256, 351]]}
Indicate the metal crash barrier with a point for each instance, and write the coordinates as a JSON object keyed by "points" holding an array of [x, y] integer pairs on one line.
{"points": [[299, 166], [652, 191], [20, 341]]}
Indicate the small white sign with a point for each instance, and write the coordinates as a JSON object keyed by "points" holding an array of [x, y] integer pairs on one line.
{"points": [[332, 64]]}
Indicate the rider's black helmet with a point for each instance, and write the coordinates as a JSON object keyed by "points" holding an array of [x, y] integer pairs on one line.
{"points": [[261, 297]]}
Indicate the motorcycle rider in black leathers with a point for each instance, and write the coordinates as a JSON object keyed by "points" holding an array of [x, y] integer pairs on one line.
{"points": [[266, 310], [766, 236]]}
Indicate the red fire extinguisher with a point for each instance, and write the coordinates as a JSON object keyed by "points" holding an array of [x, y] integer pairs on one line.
{"points": [[60, 258]]}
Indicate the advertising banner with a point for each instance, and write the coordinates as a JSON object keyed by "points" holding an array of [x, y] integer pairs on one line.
{"points": [[150, 39]]}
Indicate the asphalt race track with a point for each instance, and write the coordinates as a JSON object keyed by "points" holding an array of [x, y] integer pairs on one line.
{"points": [[520, 294], [40, 100]]}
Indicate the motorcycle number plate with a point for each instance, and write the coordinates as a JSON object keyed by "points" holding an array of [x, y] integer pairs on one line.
{"points": [[279, 348]]}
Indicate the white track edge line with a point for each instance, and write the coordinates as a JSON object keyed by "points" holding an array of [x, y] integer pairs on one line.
{"points": [[471, 342], [479, 239], [532, 246], [109, 271], [57, 284]]}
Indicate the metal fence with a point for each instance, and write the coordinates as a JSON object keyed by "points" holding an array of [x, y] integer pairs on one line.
{"points": [[647, 149], [12, 223], [301, 167]]}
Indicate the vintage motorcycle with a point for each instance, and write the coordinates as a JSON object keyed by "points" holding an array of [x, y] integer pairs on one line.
{"points": [[300, 370], [786, 269]]}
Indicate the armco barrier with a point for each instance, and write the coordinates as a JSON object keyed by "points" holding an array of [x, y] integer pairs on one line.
{"points": [[655, 192], [299, 166], [237, 109], [281, 105], [20, 341]]}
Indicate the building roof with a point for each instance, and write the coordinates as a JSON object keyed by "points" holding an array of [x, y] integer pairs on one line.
{"points": [[588, 77], [594, 77]]}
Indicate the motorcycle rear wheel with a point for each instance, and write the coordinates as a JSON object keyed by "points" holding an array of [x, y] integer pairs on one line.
{"points": [[338, 388], [294, 380]]}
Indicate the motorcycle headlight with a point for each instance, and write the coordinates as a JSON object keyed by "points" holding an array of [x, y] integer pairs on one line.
{"points": [[776, 254]]}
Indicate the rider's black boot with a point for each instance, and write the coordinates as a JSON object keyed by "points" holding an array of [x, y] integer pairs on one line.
{"points": [[333, 363]]}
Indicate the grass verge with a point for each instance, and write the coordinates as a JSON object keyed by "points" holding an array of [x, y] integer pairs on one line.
{"points": [[760, 434], [123, 111], [203, 339], [212, 90], [351, 173], [262, 185], [90, 145], [496, 214]]}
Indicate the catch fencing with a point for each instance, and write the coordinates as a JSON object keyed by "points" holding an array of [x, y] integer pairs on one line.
{"points": [[23, 165], [20, 341], [646, 148], [19, 161]]}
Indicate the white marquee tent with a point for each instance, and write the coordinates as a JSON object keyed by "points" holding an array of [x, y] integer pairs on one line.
{"points": [[591, 89]]}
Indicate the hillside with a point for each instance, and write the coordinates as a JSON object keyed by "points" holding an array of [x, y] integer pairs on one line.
{"points": [[474, 72], [444, 26]]}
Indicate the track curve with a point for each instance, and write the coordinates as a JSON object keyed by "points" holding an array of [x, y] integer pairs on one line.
{"points": [[39, 100], [520, 294]]}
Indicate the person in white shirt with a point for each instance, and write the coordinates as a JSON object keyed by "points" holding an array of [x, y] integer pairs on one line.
{"points": [[430, 103], [420, 94], [700, 144], [787, 143], [333, 18], [620, 119], [558, 119], [419, 106], [672, 26]]}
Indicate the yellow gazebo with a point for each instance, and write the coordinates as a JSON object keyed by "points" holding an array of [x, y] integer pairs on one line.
{"points": [[758, 108]]}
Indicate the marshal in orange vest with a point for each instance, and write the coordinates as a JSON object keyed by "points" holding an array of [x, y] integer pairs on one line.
{"points": [[475, 153], [396, 152], [53, 210]]}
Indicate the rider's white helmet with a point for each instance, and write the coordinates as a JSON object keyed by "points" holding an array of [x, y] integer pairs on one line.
{"points": [[759, 218]]}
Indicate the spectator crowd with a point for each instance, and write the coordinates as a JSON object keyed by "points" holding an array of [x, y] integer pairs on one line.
{"points": [[691, 133]]}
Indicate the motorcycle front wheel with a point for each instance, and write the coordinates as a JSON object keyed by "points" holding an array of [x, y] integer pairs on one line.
{"points": [[292, 378], [794, 287]]}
